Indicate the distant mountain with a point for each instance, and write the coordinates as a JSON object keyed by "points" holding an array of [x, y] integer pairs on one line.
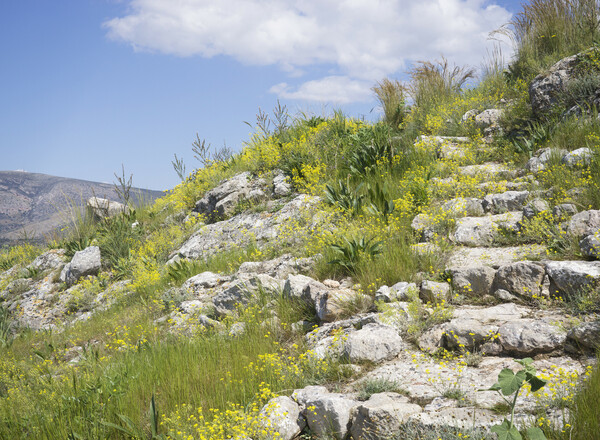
{"points": [[34, 205]]}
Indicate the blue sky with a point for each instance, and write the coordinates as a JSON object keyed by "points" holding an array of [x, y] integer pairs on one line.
{"points": [[88, 85]]}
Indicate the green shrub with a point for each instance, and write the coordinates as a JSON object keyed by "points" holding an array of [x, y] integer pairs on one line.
{"points": [[390, 94], [352, 251]]}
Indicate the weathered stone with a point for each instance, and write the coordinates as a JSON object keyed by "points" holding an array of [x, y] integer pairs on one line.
{"points": [[398, 292], [434, 292], [280, 267], [564, 210], [535, 207], [51, 260], [282, 415], [462, 207], [546, 89], [578, 158], [222, 200], [489, 117], [570, 277], [303, 395], [241, 291], [204, 280], [472, 257], [481, 231], [584, 223], [257, 228], [461, 418], [380, 417], [303, 287], [590, 245], [329, 414], [446, 147], [281, 185], [85, 262], [529, 337], [523, 278], [539, 160], [330, 304], [473, 281], [505, 202], [584, 338], [488, 170], [374, 343], [103, 208]]}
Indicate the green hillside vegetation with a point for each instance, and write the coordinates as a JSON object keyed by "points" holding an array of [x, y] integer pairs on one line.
{"points": [[136, 379]]}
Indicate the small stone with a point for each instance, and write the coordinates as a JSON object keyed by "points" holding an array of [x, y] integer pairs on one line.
{"points": [[434, 292]]}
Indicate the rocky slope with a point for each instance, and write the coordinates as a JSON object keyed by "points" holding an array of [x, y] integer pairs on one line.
{"points": [[33, 204]]}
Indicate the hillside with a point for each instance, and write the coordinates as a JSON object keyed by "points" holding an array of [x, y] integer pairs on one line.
{"points": [[34, 205], [434, 275]]}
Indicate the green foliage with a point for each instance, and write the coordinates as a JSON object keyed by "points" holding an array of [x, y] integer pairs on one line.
{"points": [[117, 236], [380, 202], [548, 30], [180, 271], [510, 383], [347, 199], [6, 327], [352, 251]]}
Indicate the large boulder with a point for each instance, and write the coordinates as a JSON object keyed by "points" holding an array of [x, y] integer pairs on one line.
{"points": [[51, 260], [281, 415], [398, 292], [584, 223], [374, 343], [303, 287], [530, 337], [222, 200], [329, 414], [103, 208], [541, 157], [240, 292], [568, 278], [504, 202], [83, 263], [584, 338], [578, 158], [590, 245], [546, 89], [488, 118], [473, 280], [382, 416], [523, 278], [462, 207], [482, 231]]}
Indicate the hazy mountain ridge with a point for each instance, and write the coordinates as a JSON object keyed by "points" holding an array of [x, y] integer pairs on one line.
{"points": [[33, 204]]}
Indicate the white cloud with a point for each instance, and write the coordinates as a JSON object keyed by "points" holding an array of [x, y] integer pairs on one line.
{"points": [[364, 40], [334, 89]]}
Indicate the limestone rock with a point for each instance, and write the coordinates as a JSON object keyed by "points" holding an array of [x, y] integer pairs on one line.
{"points": [[222, 200], [578, 158], [584, 223], [570, 277], [535, 207], [590, 245], [564, 210], [481, 231], [584, 338], [545, 89], [280, 267], [504, 202], [240, 291], [303, 287], [329, 414], [462, 207], [523, 278], [489, 117], [281, 185], [373, 343], [282, 416], [473, 281], [529, 337], [311, 392], [204, 280], [83, 263], [51, 260], [398, 292], [380, 417], [330, 304], [103, 208], [432, 291]]}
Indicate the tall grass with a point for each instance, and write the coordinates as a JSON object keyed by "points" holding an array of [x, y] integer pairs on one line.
{"points": [[584, 417], [390, 94], [548, 30], [434, 82]]}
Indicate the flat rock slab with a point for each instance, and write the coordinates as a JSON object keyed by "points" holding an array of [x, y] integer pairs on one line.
{"points": [[482, 231], [470, 257], [490, 170]]}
